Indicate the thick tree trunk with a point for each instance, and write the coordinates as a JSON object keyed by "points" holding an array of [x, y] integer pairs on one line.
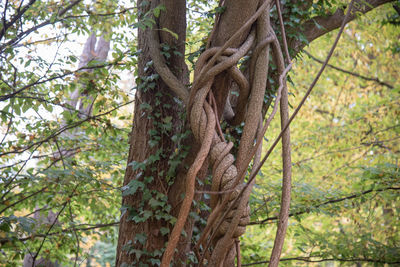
{"points": [[136, 236], [151, 196], [142, 239], [237, 12]]}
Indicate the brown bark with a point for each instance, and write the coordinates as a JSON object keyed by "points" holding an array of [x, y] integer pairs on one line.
{"points": [[237, 12], [286, 166], [144, 120], [321, 25]]}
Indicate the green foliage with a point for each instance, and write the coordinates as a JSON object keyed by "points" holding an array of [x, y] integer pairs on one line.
{"points": [[346, 176], [38, 59], [56, 161], [152, 201]]}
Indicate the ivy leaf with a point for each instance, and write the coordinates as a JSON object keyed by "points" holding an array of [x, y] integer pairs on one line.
{"points": [[154, 203], [132, 187], [147, 214], [141, 238], [158, 10], [155, 262], [164, 230]]}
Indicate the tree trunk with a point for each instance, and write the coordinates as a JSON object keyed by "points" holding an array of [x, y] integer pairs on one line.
{"points": [[141, 239], [157, 126]]}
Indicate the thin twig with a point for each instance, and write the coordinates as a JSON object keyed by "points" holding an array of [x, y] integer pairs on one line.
{"points": [[307, 93], [67, 73], [309, 259], [331, 201], [74, 228], [75, 234], [9, 123], [23, 199], [252, 177], [65, 128], [377, 80], [51, 227], [18, 15], [285, 46], [36, 27]]}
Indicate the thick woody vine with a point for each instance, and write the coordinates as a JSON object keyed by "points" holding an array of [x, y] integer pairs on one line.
{"points": [[230, 192], [229, 201]]}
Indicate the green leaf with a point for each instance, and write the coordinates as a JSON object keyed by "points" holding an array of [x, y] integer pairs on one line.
{"points": [[164, 230], [141, 238], [155, 262], [171, 32], [157, 10], [154, 203], [132, 187]]}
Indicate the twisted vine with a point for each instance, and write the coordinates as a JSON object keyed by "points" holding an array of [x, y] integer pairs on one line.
{"points": [[230, 209]]}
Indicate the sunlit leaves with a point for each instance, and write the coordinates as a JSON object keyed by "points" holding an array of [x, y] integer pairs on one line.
{"points": [[51, 156], [345, 146]]}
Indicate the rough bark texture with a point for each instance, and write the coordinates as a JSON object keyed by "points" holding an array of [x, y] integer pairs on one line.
{"points": [[140, 149], [237, 12]]}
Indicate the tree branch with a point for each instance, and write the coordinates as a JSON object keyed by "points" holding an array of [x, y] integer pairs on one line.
{"points": [[331, 201], [25, 33], [75, 228], [22, 199], [66, 73], [318, 26], [65, 128], [14, 18], [309, 259], [350, 72]]}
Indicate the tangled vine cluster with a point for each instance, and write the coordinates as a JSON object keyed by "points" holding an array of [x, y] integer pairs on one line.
{"points": [[230, 195]]}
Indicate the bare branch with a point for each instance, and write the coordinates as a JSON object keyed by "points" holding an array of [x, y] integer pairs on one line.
{"points": [[350, 72], [66, 230], [309, 259], [331, 201]]}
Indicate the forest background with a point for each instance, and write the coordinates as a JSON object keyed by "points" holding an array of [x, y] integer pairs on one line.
{"points": [[62, 166]]}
